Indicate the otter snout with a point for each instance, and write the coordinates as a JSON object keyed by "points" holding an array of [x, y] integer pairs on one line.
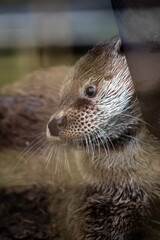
{"points": [[57, 125]]}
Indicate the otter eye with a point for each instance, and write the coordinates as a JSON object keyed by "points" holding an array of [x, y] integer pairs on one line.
{"points": [[90, 91]]}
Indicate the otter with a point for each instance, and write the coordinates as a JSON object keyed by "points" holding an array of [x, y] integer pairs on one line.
{"points": [[99, 116]]}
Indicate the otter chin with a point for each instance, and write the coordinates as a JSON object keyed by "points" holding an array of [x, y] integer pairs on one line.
{"points": [[99, 112]]}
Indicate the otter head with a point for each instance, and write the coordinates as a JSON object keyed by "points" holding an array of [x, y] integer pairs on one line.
{"points": [[98, 107]]}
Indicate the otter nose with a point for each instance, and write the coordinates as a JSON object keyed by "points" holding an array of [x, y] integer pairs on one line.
{"points": [[56, 125]]}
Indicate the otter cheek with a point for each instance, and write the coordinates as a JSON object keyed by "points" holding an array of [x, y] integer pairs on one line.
{"points": [[80, 124]]}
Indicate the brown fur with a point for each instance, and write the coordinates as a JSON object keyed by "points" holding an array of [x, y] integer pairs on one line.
{"points": [[122, 176]]}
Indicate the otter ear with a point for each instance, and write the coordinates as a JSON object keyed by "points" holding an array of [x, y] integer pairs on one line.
{"points": [[119, 47]]}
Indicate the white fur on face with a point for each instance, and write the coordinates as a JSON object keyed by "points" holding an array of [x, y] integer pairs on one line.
{"points": [[115, 95]]}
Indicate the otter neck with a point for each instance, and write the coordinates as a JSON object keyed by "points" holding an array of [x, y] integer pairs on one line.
{"points": [[128, 165]]}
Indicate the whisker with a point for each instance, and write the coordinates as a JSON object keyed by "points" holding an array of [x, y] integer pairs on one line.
{"points": [[67, 162], [24, 156], [57, 163], [50, 154], [100, 137], [86, 142], [30, 146]]}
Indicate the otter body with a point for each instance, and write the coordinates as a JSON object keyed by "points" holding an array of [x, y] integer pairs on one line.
{"points": [[99, 115]]}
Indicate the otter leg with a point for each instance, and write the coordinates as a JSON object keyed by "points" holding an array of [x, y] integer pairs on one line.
{"points": [[128, 218], [113, 214]]}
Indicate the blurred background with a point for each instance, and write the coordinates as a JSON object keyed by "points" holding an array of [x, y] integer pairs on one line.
{"points": [[38, 34]]}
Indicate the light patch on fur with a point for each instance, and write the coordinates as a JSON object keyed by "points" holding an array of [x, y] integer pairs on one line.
{"points": [[115, 94]]}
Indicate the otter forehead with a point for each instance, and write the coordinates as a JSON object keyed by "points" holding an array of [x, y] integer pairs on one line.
{"points": [[100, 63]]}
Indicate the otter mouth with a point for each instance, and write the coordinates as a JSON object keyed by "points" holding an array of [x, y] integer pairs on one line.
{"points": [[108, 143], [85, 142], [90, 142]]}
